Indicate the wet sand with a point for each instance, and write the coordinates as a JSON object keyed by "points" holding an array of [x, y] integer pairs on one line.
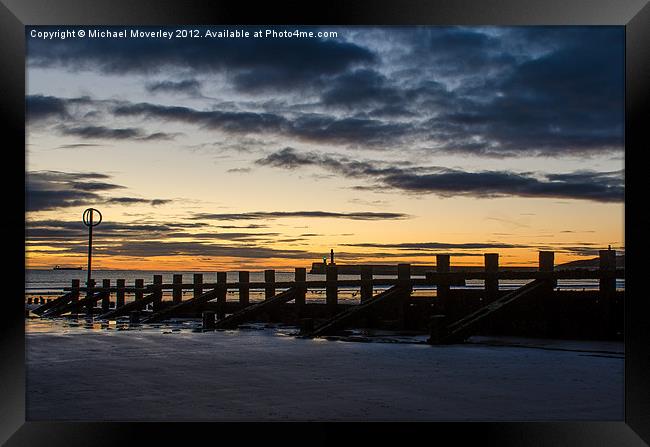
{"points": [[176, 373]]}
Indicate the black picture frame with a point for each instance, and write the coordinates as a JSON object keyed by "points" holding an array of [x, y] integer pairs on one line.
{"points": [[16, 14]]}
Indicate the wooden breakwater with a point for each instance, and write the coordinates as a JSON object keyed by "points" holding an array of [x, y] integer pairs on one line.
{"points": [[449, 314]]}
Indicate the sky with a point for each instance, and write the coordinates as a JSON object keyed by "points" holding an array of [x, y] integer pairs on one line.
{"points": [[386, 144]]}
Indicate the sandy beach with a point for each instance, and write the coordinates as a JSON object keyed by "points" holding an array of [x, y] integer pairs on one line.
{"points": [[177, 373]]}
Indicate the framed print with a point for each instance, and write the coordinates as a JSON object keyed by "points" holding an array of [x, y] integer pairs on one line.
{"points": [[369, 220]]}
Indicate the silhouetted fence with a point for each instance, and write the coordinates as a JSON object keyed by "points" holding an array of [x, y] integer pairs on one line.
{"points": [[451, 298]]}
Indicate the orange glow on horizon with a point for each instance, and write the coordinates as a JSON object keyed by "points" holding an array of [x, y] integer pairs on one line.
{"points": [[191, 263]]}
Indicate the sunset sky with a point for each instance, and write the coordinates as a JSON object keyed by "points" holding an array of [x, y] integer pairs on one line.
{"points": [[386, 144]]}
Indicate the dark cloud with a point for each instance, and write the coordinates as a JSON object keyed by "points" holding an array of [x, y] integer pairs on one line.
{"points": [[253, 64], [147, 249], [121, 226], [586, 176], [78, 146], [499, 92], [75, 112], [250, 226], [101, 132], [513, 91], [83, 184], [134, 200], [158, 136], [106, 133], [351, 130], [150, 239], [503, 184], [234, 236], [289, 158], [433, 248], [49, 190], [159, 248], [41, 108], [581, 185], [508, 92], [187, 86], [235, 122], [61, 234], [360, 87], [437, 246], [311, 127], [396, 256], [369, 93], [567, 100], [465, 52], [361, 215]]}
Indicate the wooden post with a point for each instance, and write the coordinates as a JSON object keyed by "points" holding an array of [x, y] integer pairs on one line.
{"points": [[119, 294], [547, 264], [222, 280], [404, 281], [106, 295], [331, 287], [436, 329], [404, 275], [198, 284], [269, 279], [491, 282], [139, 284], [29, 300], [366, 283], [607, 288], [301, 287], [607, 263], [244, 288], [157, 291], [546, 261], [177, 288], [306, 326], [208, 320], [75, 290], [443, 264], [89, 291]]}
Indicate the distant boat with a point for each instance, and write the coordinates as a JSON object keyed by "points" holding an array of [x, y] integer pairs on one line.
{"points": [[58, 267]]}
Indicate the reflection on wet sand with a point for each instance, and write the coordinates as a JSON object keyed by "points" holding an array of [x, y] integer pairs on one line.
{"points": [[82, 323]]}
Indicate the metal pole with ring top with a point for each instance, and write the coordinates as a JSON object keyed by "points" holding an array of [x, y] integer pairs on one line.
{"points": [[90, 223]]}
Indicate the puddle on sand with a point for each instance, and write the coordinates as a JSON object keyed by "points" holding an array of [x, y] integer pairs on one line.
{"points": [[84, 323]]}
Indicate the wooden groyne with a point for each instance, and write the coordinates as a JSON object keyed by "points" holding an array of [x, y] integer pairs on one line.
{"points": [[449, 315]]}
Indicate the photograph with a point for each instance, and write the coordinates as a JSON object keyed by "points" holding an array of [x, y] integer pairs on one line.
{"points": [[324, 222], [341, 223]]}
